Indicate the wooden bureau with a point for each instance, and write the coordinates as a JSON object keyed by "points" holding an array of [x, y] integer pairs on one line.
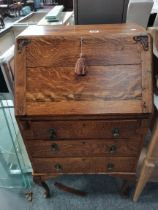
{"points": [[90, 121]]}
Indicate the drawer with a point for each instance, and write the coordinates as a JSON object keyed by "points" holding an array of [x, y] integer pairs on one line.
{"points": [[83, 148], [87, 129], [84, 165]]}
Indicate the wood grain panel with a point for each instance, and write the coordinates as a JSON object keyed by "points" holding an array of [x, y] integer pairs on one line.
{"points": [[99, 50], [83, 148], [80, 108], [84, 165], [87, 129], [101, 83]]}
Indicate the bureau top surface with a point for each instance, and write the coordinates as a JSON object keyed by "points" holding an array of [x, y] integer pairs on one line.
{"points": [[83, 29], [118, 71]]}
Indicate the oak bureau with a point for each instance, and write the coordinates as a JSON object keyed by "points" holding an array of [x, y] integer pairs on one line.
{"points": [[83, 98]]}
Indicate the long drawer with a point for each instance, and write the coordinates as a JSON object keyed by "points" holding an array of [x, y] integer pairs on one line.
{"points": [[84, 165], [83, 148], [86, 129]]}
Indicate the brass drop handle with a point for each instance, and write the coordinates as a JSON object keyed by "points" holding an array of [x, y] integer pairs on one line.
{"points": [[116, 132], [113, 149], [54, 147], [58, 167], [110, 166], [53, 134]]}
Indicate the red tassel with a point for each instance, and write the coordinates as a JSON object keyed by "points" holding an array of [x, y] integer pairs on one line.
{"points": [[80, 68]]}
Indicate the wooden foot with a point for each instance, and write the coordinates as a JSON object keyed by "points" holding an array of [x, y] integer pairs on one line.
{"points": [[38, 180], [125, 189], [145, 174], [29, 196]]}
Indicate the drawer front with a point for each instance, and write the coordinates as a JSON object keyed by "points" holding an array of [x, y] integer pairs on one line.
{"points": [[84, 165], [86, 129], [82, 148]]}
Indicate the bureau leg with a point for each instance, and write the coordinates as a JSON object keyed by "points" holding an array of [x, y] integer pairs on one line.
{"points": [[126, 188], [29, 196], [38, 180]]}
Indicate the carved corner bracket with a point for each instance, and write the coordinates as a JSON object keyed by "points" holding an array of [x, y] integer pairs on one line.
{"points": [[21, 43], [143, 39]]}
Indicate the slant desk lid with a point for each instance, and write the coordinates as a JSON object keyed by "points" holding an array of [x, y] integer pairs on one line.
{"points": [[118, 77]]}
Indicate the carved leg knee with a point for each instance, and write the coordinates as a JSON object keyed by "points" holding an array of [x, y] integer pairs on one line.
{"points": [[38, 180]]}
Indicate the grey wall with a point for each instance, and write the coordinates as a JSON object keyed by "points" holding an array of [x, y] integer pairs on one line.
{"points": [[100, 11]]}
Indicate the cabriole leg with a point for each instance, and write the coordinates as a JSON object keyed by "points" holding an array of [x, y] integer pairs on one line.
{"points": [[38, 180]]}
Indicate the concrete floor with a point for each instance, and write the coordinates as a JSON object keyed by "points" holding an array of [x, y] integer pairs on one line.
{"points": [[102, 194], [13, 199]]}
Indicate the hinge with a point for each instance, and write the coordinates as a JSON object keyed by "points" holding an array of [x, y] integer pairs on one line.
{"points": [[143, 39], [21, 43]]}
